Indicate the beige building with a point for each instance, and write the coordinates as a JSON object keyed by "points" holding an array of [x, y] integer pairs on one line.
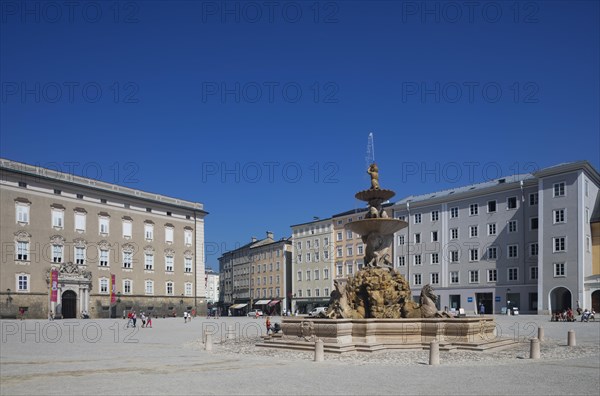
{"points": [[90, 231], [312, 264], [254, 276], [349, 247]]}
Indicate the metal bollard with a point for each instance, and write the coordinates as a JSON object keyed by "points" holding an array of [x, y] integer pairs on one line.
{"points": [[571, 338], [230, 333], [541, 334], [208, 345], [319, 351], [434, 353], [534, 349]]}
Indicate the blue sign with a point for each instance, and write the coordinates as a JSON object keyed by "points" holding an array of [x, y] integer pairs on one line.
{"points": [[498, 298], [469, 299]]}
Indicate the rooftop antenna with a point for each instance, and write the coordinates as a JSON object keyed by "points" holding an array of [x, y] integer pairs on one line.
{"points": [[370, 158]]}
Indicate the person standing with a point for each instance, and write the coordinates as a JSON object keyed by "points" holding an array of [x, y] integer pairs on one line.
{"points": [[149, 323], [268, 324], [481, 309], [134, 318]]}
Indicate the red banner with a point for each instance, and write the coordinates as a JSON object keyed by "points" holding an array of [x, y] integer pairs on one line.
{"points": [[54, 288], [113, 288]]}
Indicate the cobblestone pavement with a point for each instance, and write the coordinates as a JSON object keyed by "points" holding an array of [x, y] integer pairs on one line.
{"points": [[104, 357]]}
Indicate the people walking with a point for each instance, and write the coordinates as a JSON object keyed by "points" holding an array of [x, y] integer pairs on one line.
{"points": [[149, 323]]}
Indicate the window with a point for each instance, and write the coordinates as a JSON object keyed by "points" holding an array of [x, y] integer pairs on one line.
{"points": [[434, 278], [559, 244], [316, 274], [417, 259], [326, 291], [533, 273], [559, 270], [298, 278], [453, 213], [326, 254], [513, 251], [148, 231], [103, 258], [435, 215], [401, 261], [418, 237], [473, 209], [511, 203], [299, 293], [188, 289], [473, 254], [533, 249], [79, 221], [299, 245], [298, 259], [149, 262], [512, 226], [349, 268], [400, 240], [308, 244], [340, 252], [473, 231], [308, 257], [103, 224], [23, 282], [169, 288], [277, 265], [533, 199], [435, 258], [22, 251], [453, 233], [22, 213], [169, 234], [349, 250], [149, 288], [187, 237], [325, 273], [474, 276], [316, 243], [103, 285], [308, 275], [559, 215], [492, 275], [533, 223], [416, 279], [417, 218], [187, 264], [339, 236], [57, 253], [588, 243], [491, 206], [559, 189], [126, 286], [326, 241], [360, 249], [454, 277], [492, 229], [492, 253], [58, 218], [348, 234], [454, 256], [277, 292], [434, 236], [127, 259], [513, 274], [340, 270], [127, 228], [79, 255]]}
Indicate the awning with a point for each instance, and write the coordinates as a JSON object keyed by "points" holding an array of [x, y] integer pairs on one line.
{"points": [[262, 302], [237, 306], [273, 303]]}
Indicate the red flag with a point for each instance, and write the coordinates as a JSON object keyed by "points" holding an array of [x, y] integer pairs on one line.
{"points": [[54, 288], [113, 287]]}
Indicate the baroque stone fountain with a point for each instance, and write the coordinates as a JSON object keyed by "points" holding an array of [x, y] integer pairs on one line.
{"points": [[374, 309]]}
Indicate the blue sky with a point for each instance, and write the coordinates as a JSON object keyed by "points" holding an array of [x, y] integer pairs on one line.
{"points": [[261, 110]]}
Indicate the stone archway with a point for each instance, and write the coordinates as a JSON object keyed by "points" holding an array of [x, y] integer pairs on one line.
{"points": [[69, 304], [560, 299], [596, 301]]}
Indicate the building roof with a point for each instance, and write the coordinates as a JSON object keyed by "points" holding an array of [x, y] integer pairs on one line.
{"points": [[55, 175]]}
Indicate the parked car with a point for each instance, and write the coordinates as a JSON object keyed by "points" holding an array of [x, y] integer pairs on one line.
{"points": [[255, 312], [316, 311]]}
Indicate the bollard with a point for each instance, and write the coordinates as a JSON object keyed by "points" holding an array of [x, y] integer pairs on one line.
{"points": [[319, 351], [230, 334], [434, 353], [534, 349], [541, 334], [571, 338], [208, 344]]}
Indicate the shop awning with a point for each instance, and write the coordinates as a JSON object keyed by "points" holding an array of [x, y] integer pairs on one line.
{"points": [[262, 302], [237, 306], [273, 303]]}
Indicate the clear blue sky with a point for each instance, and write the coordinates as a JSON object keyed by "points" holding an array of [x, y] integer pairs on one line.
{"points": [[262, 112]]}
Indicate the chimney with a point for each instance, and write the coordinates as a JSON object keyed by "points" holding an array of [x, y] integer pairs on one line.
{"points": [[253, 239], [269, 234]]}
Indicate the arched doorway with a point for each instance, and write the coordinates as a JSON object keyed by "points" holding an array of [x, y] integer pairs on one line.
{"points": [[560, 299], [69, 304], [596, 301]]}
